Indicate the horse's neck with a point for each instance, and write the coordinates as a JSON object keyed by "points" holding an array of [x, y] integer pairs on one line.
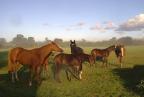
{"points": [[110, 49], [73, 50], [45, 51]]}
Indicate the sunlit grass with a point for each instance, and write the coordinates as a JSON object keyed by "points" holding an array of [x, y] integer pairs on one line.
{"points": [[97, 81]]}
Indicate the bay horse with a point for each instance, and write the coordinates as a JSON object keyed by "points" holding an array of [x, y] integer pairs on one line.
{"points": [[70, 62], [85, 58], [75, 49], [34, 59], [120, 53], [102, 54]]}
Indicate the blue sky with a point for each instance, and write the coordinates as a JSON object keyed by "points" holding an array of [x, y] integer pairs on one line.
{"points": [[92, 20]]}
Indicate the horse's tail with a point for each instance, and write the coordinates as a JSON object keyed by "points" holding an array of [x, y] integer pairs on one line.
{"points": [[10, 65]]}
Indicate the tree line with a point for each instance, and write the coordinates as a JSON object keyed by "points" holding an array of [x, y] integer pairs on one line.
{"points": [[21, 41]]}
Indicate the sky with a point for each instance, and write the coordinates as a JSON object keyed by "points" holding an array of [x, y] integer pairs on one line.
{"points": [[92, 20]]}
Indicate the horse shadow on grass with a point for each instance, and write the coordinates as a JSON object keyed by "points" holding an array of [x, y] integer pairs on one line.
{"points": [[132, 77], [19, 88]]}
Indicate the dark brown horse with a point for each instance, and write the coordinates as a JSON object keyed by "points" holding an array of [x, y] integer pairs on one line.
{"points": [[75, 49], [34, 59], [71, 64], [120, 53], [102, 54], [79, 53]]}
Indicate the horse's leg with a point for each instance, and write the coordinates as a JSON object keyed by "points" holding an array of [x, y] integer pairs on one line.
{"points": [[69, 78], [103, 61], [120, 60], [94, 58], [80, 71], [57, 71], [13, 79], [31, 76], [106, 61], [46, 67], [38, 72], [74, 71], [80, 74], [16, 75], [16, 70]]}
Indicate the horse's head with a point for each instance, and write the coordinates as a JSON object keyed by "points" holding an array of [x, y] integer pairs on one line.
{"points": [[119, 50], [55, 47], [72, 43], [111, 48]]}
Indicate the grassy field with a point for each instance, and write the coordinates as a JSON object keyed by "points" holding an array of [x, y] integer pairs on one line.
{"points": [[97, 81]]}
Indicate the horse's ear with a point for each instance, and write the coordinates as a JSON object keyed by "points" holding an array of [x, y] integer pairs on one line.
{"points": [[71, 41], [52, 42], [74, 41]]}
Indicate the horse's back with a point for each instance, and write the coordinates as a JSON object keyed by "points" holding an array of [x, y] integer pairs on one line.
{"points": [[66, 59]]}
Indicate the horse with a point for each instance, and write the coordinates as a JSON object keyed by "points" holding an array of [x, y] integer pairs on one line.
{"points": [[34, 59], [80, 53], [70, 62], [85, 58], [75, 49], [120, 53], [102, 54]]}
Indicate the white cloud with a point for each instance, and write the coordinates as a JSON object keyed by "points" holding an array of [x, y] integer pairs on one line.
{"points": [[110, 25], [97, 27], [133, 24]]}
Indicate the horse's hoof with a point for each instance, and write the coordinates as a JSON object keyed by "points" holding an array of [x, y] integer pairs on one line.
{"points": [[17, 79], [30, 84], [13, 81], [69, 79], [58, 81], [39, 82]]}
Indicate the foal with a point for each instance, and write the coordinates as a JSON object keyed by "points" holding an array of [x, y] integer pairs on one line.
{"points": [[69, 61]]}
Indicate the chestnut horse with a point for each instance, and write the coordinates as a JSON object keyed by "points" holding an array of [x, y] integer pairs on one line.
{"points": [[70, 62], [34, 59], [120, 53], [75, 49], [102, 54]]}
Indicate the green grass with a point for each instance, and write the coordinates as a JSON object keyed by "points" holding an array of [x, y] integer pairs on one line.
{"points": [[97, 81]]}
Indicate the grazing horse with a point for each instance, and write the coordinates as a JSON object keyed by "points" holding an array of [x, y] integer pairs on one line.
{"points": [[102, 54], [75, 49], [70, 62], [34, 59], [85, 58], [120, 53]]}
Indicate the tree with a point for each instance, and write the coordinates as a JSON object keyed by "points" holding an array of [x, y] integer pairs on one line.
{"points": [[125, 40], [19, 40], [58, 40], [31, 41], [3, 42]]}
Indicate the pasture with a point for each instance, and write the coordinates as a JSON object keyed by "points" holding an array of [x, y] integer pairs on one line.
{"points": [[97, 81]]}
